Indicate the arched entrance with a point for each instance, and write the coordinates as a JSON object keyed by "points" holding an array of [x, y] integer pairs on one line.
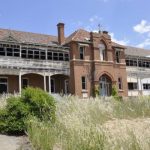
{"points": [[60, 84], [105, 85]]}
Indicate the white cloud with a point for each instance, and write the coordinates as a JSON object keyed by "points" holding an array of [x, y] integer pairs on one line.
{"points": [[143, 27], [93, 23], [144, 44], [122, 42]]}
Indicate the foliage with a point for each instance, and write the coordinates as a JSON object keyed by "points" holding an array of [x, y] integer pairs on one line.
{"points": [[13, 116], [115, 95], [32, 102], [41, 104], [114, 92], [96, 90]]}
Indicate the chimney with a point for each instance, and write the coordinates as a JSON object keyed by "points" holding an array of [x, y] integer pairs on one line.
{"points": [[61, 35], [105, 32]]}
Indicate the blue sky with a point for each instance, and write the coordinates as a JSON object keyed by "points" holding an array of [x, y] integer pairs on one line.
{"points": [[128, 21]]}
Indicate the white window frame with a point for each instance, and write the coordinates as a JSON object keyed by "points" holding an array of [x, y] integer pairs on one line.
{"points": [[102, 50]]}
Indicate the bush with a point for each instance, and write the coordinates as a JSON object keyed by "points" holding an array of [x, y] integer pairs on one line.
{"points": [[96, 91], [32, 102], [41, 104], [12, 118], [114, 92]]}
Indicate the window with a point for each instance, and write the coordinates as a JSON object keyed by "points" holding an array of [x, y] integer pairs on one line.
{"points": [[24, 53], [66, 57], [43, 55], [30, 54], [83, 83], [102, 52], [146, 86], [120, 83], [36, 54], [3, 85], [25, 83], [9, 51], [81, 52], [61, 56], [55, 56], [132, 86], [66, 86], [118, 56], [17, 52], [2, 51], [49, 55]]}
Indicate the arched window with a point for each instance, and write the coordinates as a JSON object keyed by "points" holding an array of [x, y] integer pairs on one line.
{"points": [[102, 49]]}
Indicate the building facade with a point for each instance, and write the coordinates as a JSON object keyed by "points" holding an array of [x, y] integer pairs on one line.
{"points": [[78, 64], [138, 71]]}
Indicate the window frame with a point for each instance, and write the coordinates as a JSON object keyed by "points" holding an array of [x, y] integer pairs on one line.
{"points": [[120, 85], [103, 52], [81, 53], [83, 83], [134, 83]]}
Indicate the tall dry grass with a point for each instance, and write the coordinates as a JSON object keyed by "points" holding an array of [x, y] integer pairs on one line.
{"points": [[95, 124]]}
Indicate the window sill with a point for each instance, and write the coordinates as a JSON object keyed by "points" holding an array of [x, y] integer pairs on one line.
{"points": [[84, 91], [121, 90]]}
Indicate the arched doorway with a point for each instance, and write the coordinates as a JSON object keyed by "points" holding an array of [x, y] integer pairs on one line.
{"points": [[60, 84], [105, 85]]}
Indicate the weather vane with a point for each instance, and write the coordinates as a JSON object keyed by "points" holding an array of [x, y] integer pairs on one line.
{"points": [[99, 28]]}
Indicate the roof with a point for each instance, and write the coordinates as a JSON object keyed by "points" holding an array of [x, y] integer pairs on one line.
{"points": [[84, 36], [79, 35], [27, 37], [118, 45], [134, 51]]}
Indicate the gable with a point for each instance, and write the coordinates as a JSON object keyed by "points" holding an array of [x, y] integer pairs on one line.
{"points": [[10, 38]]}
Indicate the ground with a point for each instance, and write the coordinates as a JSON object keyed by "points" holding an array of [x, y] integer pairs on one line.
{"points": [[14, 143]]}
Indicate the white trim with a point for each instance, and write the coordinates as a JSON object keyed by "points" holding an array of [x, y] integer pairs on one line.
{"points": [[81, 44]]}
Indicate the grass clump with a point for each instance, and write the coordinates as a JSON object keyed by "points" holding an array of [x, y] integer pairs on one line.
{"points": [[32, 102], [81, 125]]}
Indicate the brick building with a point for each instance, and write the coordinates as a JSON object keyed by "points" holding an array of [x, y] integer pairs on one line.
{"points": [[78, 64]]}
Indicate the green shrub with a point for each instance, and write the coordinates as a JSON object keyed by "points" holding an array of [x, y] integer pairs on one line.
{"points": [[41, 104], [12, 118], [114, 92], [32, 102], [96, 90]]}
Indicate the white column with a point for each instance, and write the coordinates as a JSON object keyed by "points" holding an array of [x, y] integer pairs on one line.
{"points": [[49, 79], [44, 83], [20, 86], [20, 50]]}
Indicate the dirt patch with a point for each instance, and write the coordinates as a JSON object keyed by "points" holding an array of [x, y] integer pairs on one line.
{"points": [[14, 143]]}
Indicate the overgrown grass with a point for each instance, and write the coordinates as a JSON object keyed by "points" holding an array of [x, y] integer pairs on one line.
{"points": [[94, 124]]}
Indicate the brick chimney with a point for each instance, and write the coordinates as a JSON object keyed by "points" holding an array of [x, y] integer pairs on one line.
{"points": [[61, 35]]}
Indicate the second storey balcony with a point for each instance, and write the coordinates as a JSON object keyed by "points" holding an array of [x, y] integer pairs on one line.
{"points": [[33, 57]]}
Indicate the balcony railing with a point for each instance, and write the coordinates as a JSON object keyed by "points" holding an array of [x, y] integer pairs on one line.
{"points": [[19, 63]]}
